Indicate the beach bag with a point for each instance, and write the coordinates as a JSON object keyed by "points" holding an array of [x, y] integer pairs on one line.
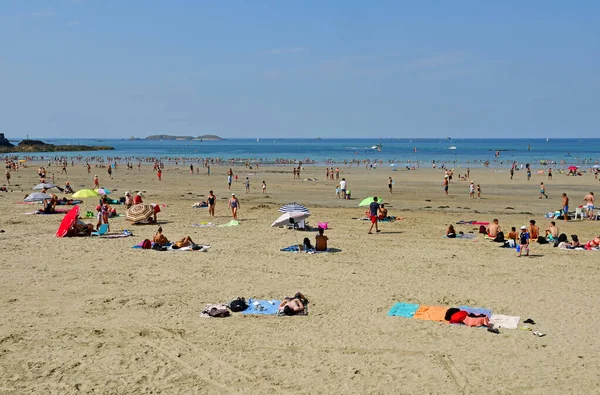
{"points": [[238, 305], [146, 244], [542, 240], [450, 312], [482, 229], [499, 237], [459, 317]]}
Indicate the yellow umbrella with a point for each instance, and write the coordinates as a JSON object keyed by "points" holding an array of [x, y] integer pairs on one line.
{"points": [[22, 160], [84, 193]]}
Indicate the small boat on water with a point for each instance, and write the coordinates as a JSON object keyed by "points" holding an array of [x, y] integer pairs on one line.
{"points": [[258, 140], [452, 147]]}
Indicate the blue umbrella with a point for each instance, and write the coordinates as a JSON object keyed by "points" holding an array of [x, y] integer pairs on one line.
{"points": [[293, 208]]}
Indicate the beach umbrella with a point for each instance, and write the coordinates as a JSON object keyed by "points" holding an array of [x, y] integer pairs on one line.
{"points": [[139, 212], [290, 218], [69, 219], [103, 191], [45, 186], [293, 208], [369, 200], [37, 197], [22, 160], [573, 168], [85, 193], [596, 167]]}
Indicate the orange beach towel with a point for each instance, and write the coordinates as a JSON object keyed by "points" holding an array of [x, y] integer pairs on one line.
{"points": [[431, 313]]}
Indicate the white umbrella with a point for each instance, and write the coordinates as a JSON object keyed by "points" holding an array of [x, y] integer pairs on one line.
{"points": [[44, 186], [37, 197], [596, 167], [290, 218], [293, 208]]}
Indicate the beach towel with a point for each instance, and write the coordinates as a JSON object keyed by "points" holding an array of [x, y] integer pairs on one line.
{"points": [[431, 313], [504, 321], [400, 309], [292, 248], [57, 211], [233, 222], [203, 248], [262, 307], [220, 306], [203, 225], [74, 202], [462, 236], [125, 233], [476, 310]]}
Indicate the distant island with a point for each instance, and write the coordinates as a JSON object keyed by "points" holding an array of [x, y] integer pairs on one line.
{"points": [[39, 146], [207, 137]]}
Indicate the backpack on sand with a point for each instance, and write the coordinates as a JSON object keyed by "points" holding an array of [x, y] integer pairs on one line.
{"points": [[146, 244], [238, 305]]}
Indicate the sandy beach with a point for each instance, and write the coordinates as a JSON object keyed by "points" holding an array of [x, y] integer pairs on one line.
{"points": [[90, 315]]}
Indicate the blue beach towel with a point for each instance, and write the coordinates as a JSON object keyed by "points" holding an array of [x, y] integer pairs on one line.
{"points": [[292, 248], [476, 310], [403, 310], [265, 308]]}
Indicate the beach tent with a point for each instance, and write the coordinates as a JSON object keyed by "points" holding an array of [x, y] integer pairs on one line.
{"points": [[290, 219], [37, 197], [103, 191], [69, 219]]}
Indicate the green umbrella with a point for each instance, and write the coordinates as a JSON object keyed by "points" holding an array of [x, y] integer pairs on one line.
{"points": [[85, 193], [369, 200]]}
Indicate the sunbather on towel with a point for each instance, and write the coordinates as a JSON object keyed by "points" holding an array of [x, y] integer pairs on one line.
{"points": [[293, 306], [159, 238], [80, 228], [450, 232]]}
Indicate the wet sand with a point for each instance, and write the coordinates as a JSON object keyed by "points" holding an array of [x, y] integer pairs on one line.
{"points": [[83, 315]]}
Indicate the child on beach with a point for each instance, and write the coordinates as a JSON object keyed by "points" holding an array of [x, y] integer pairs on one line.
{"points": [[337, 192], [478, 191], [542, 190], [264, 187], [523, 241]]}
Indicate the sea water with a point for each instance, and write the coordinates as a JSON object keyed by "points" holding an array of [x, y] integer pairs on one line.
{"points": [[452, 152]]}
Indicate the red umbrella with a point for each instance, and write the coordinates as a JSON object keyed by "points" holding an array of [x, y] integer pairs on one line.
{"points": [[573, 168], [68, 221]]}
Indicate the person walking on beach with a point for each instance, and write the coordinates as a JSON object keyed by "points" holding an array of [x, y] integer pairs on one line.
{"points": [[543, 190], [110, 172], [211, 201], [343, 188], [390, 184], [234, 205], [512, 172], [528, 172], [7, 175], [159, 174], [96, 181], [589, 205], [374, 211], [264, 187], [247, 185], [549, 173], [445, 184], [565, 204], [478, 191], [471, 190], [229, 179]]}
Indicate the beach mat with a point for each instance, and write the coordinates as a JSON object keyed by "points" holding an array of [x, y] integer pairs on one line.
{"points": [[504, 321], [233, 222], [476, 310], [431, 313], [262, 307], [58, 211], [400, 309], [203, 225]]}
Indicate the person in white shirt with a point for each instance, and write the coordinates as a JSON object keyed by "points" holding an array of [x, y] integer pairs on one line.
{"points": [[343, 188]]}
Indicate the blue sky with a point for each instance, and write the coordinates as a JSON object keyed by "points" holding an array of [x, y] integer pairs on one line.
{"points": [[115, 68]]}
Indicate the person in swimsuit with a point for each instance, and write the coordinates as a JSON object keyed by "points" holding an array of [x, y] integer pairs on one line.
{"points": [[390, 184], [293, 306], [542, 190], [211, 201], [234, 205], [264, 187], [565, 203], [534, 230], [159, 238], [589, 205]]}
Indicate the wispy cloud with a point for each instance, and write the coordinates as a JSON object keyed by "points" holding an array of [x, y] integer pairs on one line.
{"points": [[73, 23], [291, 50], [43, 13]]}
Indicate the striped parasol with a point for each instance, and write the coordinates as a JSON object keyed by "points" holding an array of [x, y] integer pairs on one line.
{"points": [[139, 212], [293, 208]]}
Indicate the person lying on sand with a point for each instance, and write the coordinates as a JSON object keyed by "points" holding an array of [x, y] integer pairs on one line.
{"points": [[80, 228], [161, 239], [293, 306]]}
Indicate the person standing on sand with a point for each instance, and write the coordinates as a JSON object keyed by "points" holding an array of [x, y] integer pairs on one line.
{"points": [[565, 204], [343, 188], [445, 184], [264, 187], [247, 185], [211, 201], [229, 179], [589, 205], [234, 205], [478, 191], [523, 241], [374, 211], [109, 172], [512, 172], [390, 184], [549, 173], [7, 175], [96, 182], [543, 190], [159, 174], [471, 190]]}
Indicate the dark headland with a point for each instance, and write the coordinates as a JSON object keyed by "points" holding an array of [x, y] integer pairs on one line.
{"points": [[39, 146]]}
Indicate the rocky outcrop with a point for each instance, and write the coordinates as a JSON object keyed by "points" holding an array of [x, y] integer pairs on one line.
{"points": [[4, 142]]}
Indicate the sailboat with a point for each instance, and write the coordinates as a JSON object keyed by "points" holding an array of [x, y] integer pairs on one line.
{"points": [[258, 140]]}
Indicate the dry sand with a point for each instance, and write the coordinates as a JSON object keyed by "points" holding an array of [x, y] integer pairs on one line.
{"points": [[84, 315]]}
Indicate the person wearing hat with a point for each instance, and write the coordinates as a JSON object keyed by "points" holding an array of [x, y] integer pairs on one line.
{"points": [[234, 205], [138, 198], [128, 199], [523, 241]]}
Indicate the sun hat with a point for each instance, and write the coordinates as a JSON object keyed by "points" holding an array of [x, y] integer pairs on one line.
{"points": [[523, 227], [233, 194], [139, 194], [127, 193]]}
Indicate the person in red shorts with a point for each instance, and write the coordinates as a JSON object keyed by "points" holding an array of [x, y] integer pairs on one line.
{"points": [[374, 210]]}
